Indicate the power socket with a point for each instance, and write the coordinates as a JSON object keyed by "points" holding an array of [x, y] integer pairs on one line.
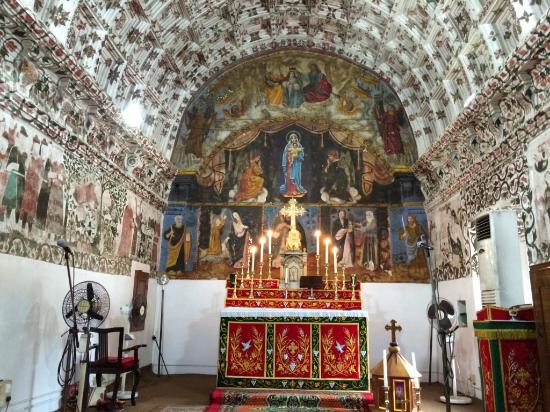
{"points": [[5, 392]]}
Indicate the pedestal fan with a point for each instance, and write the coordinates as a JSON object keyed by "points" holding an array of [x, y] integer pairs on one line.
{"points": [[443, 318]]}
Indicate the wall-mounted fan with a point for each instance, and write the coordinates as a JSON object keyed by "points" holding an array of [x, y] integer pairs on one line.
{"points": [[138, 312], [91, 305]]}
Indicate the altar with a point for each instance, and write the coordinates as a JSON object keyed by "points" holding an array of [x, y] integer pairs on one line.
{"points": [[278, 340], [306, 349]]}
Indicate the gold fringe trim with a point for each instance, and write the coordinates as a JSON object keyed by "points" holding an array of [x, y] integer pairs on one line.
{"points": [[506, 334]]}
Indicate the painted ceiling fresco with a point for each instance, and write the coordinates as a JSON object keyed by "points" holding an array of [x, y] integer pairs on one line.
{"points": [[161, 53], [316, 91]]}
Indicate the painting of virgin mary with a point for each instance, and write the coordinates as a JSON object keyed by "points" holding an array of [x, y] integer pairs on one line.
{"points": [[291, 162]]}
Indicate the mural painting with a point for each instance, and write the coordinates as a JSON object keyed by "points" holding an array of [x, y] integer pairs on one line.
{"points": [[48, 193], [408, 226], [298, 125], [362, 238], [296, 85], [538, 154], [314, 167]]}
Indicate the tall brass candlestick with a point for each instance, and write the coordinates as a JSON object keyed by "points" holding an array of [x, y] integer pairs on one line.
{"points": [[251, 295], [235, 286], [353, 286], [343, 278], [242, 276], [417, 398], [247, 269], [387, 397], [326, 276], [261, 271], [317, 256], [336, 285], [269, 266]]}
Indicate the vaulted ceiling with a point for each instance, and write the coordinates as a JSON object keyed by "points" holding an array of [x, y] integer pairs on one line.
{"points": [[160, 53]]}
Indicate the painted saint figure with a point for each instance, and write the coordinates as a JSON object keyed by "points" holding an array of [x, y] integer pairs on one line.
{"points": [[389, 122], [33, 180], [237, 241], [179, 245], [13, 193], [293, 156], [294, 96], [251, 183], [411, 234], [343, 238], [318, 89], [217, 223], [369, 249]]}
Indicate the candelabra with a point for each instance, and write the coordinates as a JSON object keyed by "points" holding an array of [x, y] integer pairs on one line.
{"points": [[242, 276], [326, 276], [343, 278], [247, 270], [387, 397], [353, 287], [260, 285], [235, 286], [317, 256], [269, 266], [417, 398]]}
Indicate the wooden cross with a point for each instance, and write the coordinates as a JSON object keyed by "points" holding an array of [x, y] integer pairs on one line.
{"points": [[393, 326]]}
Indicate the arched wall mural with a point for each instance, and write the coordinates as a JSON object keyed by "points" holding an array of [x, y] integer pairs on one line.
{"points": [[298, 125]]}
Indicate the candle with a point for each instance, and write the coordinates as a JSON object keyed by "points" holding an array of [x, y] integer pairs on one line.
{"points": [[317, 236], [327, 242], [385, 362], [253, 251], [286, 275], [335, 253], [415, 372], [269, 235], [262, 242]]}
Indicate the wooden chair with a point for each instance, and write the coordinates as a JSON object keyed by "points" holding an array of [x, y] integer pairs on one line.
{"points": [[105, 363]]}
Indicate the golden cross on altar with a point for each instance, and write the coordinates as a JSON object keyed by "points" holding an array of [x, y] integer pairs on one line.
{"points": [[393, 326], [293, 239]]}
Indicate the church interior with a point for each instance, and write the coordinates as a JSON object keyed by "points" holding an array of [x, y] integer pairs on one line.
{"points": [[320, 205]]}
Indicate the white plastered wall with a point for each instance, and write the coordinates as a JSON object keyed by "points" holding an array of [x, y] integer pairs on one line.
{"points": [[31, 325]]}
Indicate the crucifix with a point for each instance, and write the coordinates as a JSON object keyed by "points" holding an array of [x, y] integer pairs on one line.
{"points": [[293, 242], [394, 327]]}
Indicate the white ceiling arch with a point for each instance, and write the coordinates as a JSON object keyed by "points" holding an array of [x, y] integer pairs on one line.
{"points": [[436, 54]]}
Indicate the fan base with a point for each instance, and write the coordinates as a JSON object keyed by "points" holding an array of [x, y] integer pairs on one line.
{"points": [[457, 400], [122, 395]]}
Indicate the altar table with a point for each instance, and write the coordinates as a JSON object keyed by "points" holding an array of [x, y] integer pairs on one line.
{"points": [[307, 349]]}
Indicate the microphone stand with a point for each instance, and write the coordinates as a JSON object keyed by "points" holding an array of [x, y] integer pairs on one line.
{"points": [[72, 334], [442, 334]]}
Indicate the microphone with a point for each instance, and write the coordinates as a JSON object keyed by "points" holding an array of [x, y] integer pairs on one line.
{"points": [[423, 243], [61, 243]]}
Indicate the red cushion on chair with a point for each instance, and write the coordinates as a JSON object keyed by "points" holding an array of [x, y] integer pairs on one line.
{"points": [[126, 363]]}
